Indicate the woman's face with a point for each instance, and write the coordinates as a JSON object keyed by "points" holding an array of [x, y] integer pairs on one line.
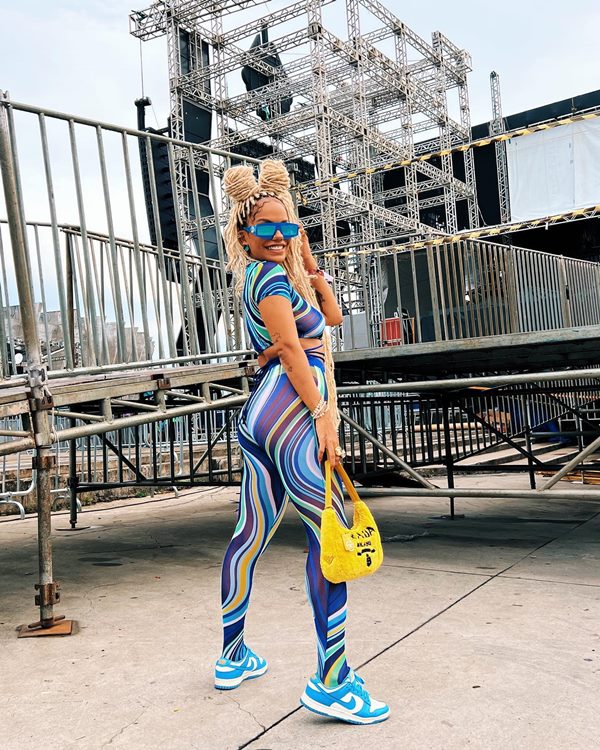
{"points": [[275, 249]]}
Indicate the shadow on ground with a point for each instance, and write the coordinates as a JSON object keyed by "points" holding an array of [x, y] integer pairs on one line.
{"points": [[482, 632]]}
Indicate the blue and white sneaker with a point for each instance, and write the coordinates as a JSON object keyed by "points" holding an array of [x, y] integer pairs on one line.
{"points": [[230, 674], [348, 702]]}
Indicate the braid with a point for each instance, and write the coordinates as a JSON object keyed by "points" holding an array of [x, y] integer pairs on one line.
{"points": [[245, 193]]}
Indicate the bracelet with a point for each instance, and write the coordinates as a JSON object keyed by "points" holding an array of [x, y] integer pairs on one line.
{"points": [[320, 409], [320, 272]]}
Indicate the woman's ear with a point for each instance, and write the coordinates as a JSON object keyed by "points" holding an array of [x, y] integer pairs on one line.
{"points": [[243, 239]]}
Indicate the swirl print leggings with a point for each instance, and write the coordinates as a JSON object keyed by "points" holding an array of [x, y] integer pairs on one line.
{"points": [[280, 450]]}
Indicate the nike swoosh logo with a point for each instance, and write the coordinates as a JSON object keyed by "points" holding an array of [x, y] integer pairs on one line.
{"points": [[350, 702]]}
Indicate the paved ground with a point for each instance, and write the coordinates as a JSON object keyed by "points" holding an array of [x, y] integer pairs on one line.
{"points": [[481, 633]]}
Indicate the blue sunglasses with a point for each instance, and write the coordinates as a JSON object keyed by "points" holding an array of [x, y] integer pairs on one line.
{"points": [[268, 230]]}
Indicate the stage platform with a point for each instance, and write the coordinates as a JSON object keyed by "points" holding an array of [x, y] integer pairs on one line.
{"points": [[72, 389], [522, 352]]}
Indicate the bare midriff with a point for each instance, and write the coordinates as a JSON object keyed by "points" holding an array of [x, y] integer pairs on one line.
{"points": [[316, 345]]}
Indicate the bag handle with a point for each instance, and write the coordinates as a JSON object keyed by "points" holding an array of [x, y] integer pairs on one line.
{"points": [[346, 480]]}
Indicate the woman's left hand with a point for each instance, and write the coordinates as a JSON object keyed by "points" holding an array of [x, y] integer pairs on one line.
{"points": [[307, 257]]}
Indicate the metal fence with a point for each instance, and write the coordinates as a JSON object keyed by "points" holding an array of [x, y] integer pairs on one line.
{"points": [[426, 429], [128, 310], [422, 429], [460, 290], [102, 300], [97, 299], [106, 295], [111, 292]]}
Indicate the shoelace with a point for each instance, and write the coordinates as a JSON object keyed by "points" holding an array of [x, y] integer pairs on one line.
{"points": [[359, 689], [355, 676]]}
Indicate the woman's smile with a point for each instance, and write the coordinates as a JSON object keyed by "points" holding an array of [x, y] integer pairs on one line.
{"points": [[274, 249]]}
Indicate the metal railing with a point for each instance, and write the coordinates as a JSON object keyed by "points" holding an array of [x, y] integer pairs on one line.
{"points": [[78, 301], [421, 429], [461, 290], [140, 322], [102, 300], [447, 427]]}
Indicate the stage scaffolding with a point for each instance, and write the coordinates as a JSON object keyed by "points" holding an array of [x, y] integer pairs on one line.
{"points": [[372, 93]]}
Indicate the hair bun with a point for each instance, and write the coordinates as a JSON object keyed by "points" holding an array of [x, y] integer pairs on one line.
{"points": [[240, 183], [274, 177]]}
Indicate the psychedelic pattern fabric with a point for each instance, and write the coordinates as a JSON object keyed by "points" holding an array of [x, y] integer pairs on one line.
{"points": [[266, 279], [280, 450]]}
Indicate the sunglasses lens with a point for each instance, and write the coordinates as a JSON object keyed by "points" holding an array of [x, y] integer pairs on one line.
{"points": [[265, 231], [289, 230]]}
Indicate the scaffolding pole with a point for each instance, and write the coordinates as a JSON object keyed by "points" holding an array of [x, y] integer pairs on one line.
{"points": [[47, 588]]}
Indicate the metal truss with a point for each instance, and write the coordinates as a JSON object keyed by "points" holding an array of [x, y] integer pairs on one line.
{"points": [[423, 153], [590, 212], [497, 126], [346, 94], [151, 22]]}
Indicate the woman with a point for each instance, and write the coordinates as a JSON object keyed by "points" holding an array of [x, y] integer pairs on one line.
{"points": [[286, 428]]}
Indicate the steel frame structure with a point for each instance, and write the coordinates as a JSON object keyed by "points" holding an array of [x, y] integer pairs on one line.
{"points": [[93, 390], [361, 110], [348, 93], [498, 126], [382, 90]]}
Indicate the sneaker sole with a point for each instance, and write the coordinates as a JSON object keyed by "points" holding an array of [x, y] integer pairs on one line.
{"points": [[334, 712], [222, 683]]}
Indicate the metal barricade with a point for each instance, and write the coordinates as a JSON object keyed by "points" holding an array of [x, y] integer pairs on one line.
{"points": [[118, 346], [460, 290]]}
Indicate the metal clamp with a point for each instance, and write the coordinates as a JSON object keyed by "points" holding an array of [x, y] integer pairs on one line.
{"points": [[39, 463], [46, 403], [38, 382], [49, 593], [38, 376]]}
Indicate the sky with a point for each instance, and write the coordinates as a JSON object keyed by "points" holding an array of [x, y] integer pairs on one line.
{"points": [[78, 56]]}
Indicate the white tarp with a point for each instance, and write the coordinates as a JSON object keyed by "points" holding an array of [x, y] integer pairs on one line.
{"points": [[554, 171]]}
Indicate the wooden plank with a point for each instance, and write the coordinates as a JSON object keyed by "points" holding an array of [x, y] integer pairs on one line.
{"points": [[86, 389], [589, 476]]}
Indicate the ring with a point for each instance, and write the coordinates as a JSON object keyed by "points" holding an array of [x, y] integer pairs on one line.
{"points": [[339, 451]]}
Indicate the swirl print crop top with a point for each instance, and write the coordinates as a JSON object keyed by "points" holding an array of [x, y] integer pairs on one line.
{"points": [[265, 279]]}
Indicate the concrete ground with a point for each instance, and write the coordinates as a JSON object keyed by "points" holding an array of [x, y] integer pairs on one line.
{"points": [[482, 632]]}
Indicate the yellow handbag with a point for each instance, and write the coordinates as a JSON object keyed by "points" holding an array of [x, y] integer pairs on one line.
{"points": [[348, 553]]}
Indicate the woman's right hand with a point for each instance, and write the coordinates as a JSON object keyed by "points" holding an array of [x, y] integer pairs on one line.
{"points": [[267, 354], [327, 436]]}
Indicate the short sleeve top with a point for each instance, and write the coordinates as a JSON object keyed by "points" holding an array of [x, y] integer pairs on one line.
{"points": [[266, 279]]}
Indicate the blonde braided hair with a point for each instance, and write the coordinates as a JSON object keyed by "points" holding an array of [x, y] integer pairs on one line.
{"points": [[245, 193]]}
